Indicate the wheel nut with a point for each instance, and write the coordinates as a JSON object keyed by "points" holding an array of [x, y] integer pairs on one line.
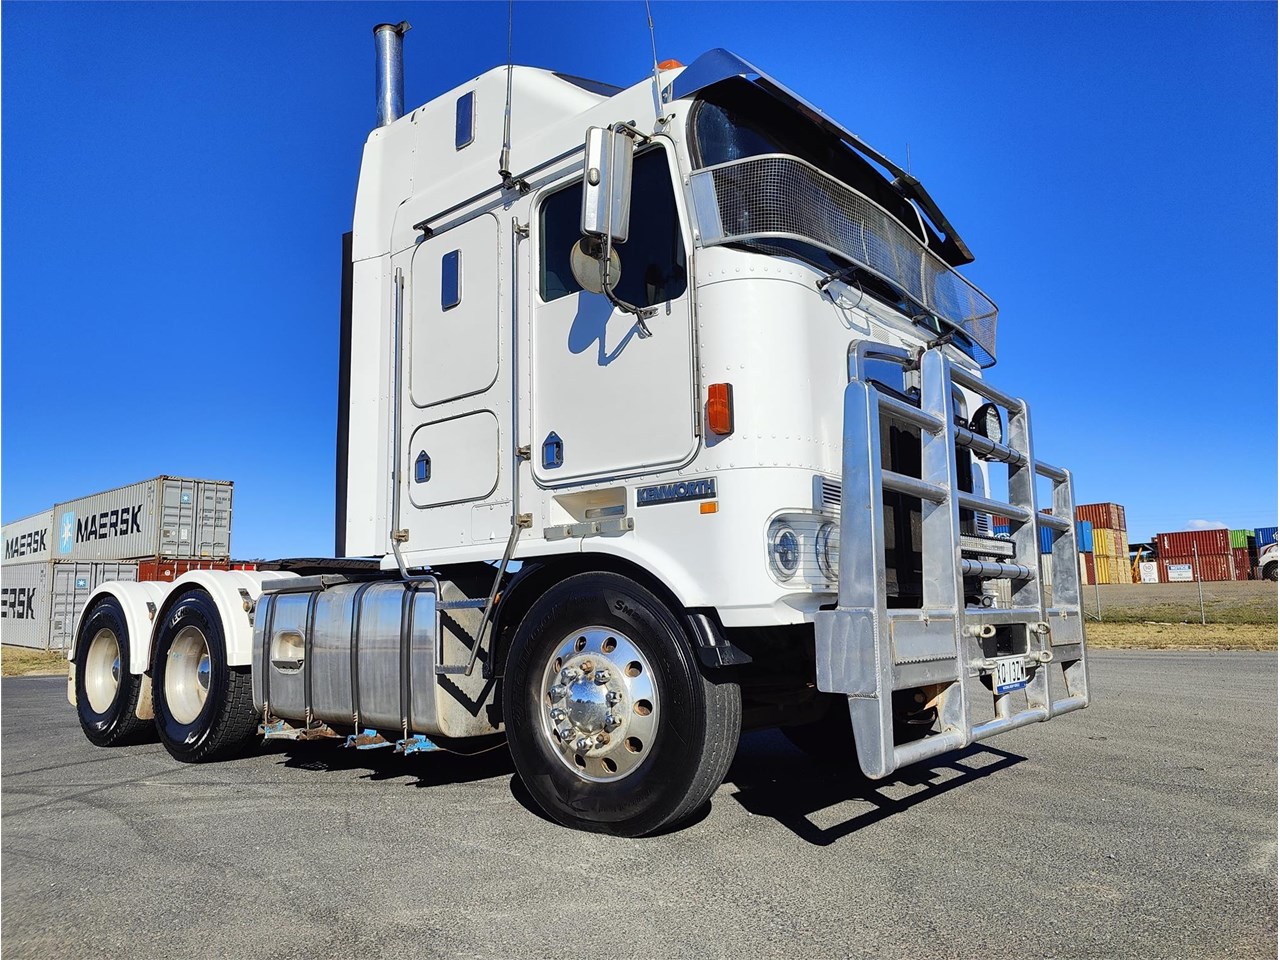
{"points": [[612, 721], [557, 692], [557, 715], [569, 674], [583, 745], [602, 676], [612, 697], [565, 732]]}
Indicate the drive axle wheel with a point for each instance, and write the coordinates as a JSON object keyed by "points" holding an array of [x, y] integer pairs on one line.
{"points": [[106, 692], [204, 708], [612, 726]]}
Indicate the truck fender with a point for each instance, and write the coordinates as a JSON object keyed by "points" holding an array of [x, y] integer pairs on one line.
{"points": [[235, 593], [140, 602]]}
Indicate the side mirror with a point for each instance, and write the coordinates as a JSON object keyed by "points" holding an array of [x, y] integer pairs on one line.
{"points": [[606, 188]]}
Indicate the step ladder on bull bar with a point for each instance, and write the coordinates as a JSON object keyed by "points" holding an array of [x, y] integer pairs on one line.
{"points": [[867, 650]]}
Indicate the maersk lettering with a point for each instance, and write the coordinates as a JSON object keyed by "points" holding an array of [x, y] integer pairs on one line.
{"points": [[675, 492], [26, 543], [17, 603], [109, 523]]}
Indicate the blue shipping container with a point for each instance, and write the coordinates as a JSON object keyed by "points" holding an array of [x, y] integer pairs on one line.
{"points": [[1084, 536], [1046, 540], [1265, 535]]}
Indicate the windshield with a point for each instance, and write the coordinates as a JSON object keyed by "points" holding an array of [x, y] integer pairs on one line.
{"points": [[785, 186]]}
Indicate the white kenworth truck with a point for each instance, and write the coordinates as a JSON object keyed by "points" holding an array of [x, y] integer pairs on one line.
{"points": [[662, 414]]}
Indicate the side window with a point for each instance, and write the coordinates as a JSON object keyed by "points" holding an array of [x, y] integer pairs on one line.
{"points": [[653, 257], [451, 280]]}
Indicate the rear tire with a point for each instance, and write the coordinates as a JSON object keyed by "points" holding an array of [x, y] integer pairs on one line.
{"points": [[106, 692], [668, 732], [204, 708], [1269, 571]]}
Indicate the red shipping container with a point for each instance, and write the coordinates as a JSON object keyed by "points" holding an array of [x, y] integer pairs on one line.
{"points": [[1108, 516], [1090, 572], [1243, 563], [168, 570], [243, 565], [1205, 541], [1213, 568]]}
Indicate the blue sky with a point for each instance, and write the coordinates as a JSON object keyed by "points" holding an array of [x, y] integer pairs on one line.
{"points": [[177, 178]]}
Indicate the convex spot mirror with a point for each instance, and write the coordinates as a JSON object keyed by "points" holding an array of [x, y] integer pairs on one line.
{"points": [[606, 187], [585, 261], [987, 422]]}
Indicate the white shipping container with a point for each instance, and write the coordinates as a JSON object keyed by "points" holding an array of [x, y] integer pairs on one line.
{"points": [[164, 517], [29, 539], [72, 584], [24, 603]]}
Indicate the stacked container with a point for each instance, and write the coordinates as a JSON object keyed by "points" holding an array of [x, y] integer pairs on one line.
{"points": [[1244, 553], [1196, 555], [1264, 537], [1110, 541], [154, 530]]}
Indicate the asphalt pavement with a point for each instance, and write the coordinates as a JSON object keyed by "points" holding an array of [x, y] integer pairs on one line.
{"points": [[1144, 826]]}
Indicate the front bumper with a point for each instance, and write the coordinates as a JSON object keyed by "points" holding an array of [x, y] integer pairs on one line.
{"points": [[866, 650]]}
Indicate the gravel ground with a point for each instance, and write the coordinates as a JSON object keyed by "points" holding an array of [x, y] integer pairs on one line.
{"points": [[1143, 827]]}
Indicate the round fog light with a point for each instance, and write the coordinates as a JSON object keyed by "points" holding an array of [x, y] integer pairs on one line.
{"points": [[784, 550], [826, 549]]}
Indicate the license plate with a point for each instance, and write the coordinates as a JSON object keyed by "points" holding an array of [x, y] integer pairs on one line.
{"points": [[1009, 674]]}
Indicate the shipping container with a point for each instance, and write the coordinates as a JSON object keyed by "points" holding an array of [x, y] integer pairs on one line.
{"points": [[27, 540], [1084, 536], [1110, 543], [1046, 570], [1264, 536], [1046, 539], [1241, 538], [1206, 542], [1090, 576], [1109, 516], [169, 570], [24, 603], [72, 584], [163, 517], [1213, 568], [1149, 571], [1242, 559]]}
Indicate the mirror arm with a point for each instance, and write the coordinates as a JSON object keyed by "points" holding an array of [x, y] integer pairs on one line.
{"points": [[640, 313]]}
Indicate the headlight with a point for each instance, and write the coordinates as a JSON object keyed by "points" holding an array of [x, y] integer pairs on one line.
{"points": [[784, 550], [988, 423], [826, 548]]}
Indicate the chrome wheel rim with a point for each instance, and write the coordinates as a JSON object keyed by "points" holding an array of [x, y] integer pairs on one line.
{"points": [[186, 675], [102, 670], [599, 704]]}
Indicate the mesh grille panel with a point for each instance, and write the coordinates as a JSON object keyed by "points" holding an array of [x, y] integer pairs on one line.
{"points": [[785, 198]]}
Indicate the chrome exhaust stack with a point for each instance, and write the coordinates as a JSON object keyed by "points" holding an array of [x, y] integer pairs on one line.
{"points": [[388, 41]]}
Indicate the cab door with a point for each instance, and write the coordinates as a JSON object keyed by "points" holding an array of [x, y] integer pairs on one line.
{"points": [[606, 401]]}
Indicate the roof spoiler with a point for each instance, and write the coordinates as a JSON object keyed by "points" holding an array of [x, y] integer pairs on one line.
{"points": [[719, 64]]}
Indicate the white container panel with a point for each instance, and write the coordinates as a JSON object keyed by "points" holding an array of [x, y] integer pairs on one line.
{"points": [[163, 517], [29, 539], [72, 584], [24, 604]]}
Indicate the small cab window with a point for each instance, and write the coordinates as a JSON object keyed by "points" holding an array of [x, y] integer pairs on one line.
{"points": [[451, 280], [653, 256]]}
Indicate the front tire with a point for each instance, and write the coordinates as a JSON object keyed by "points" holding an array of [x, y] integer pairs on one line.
{"points": [[612, 726], [203, 707], [106, 692]]}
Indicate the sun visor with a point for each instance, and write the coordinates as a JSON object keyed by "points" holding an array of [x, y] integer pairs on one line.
{"points": [[719, 64]]}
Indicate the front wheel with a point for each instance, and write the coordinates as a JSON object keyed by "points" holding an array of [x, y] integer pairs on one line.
{"points": [[612, 726], [204, 707]]}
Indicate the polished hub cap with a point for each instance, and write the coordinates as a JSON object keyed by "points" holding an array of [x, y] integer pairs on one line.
{"points": [[186, 675], [599, 704], [102, 670]]}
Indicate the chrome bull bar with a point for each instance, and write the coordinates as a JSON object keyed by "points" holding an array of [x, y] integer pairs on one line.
{"points": [[866, 650]]}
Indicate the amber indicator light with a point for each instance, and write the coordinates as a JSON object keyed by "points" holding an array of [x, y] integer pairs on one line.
{"points": [[720, 408]]}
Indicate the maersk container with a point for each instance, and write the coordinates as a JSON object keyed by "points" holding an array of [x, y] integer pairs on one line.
{"points": [[24, 603], [28, 540], [1265, 536], [163, 517], [72, 584]]}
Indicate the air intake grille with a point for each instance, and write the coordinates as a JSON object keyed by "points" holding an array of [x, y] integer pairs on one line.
{"points": [[781, 197]]}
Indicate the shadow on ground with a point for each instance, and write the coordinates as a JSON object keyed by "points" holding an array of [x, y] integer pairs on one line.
{"points": [[773, 779]]}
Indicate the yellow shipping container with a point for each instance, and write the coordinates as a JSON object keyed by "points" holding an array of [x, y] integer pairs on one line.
{"points": [[1112, 569]]}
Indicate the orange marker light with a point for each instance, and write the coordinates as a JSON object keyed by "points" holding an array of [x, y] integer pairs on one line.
{"points": [[670, 65], [710, 506], [720, 408]]}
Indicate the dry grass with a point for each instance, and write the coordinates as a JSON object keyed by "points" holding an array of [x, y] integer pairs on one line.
{"points": [[1181, 636], [23, 661], [1241, 602]]}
